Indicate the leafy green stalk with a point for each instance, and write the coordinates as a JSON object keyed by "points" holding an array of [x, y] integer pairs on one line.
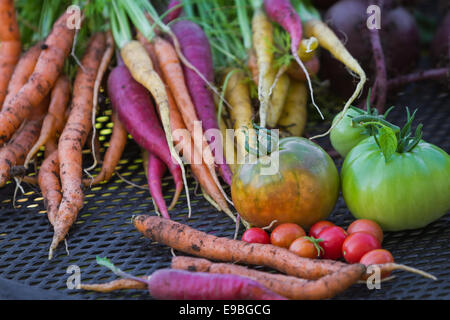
{"points": [[119, 24], [108, 264], [306, 10], [137, 16]]}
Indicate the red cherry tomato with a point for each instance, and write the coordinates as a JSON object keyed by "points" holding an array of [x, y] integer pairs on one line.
{"points": [[377, 256], [285, 234], [368, 226], [332, 240], [256, 235], [319, 226], [358, 244], [306, 247]]}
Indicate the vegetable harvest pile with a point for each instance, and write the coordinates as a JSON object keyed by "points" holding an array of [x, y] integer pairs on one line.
{"points": [[223, 90]]}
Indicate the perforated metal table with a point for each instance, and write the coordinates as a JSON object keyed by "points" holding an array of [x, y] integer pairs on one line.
{"points": [[104, 226]]}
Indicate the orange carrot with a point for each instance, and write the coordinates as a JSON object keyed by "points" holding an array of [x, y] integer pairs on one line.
{"points": [[22, 72], [55, 119], [113, 154], [14, 153], [191, 241], [48, 179], [114, 285], [191, 154], [46, 72], [288, 286], [73, 139], [173, 76], [109, 51], [10, 45]]}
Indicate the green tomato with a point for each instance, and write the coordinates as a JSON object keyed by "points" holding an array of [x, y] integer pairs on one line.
{"points": [[409, 191], [345, 135]]}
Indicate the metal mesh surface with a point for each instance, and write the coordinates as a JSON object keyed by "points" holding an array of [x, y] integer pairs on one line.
{"points": [[104, 226]]}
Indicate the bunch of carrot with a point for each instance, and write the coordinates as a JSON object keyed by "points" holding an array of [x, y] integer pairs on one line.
{"points": [[157, 93], [164, 91]]}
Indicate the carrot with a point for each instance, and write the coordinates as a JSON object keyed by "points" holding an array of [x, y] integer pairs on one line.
{"points": [[43, 78], [277, 91], [14, 153], [284, 14], [141, 68], [114, 285], [196, 48], [55, 120], [22, 72], [173, 76], [174, 10], [155, 169], [262, 41], [136, 112], [287, 286], [113, 154], [98, 80], [328, 40], [253, 66], [48, 180], [238, 94], [73, 138], [229, 149], [10, 45], [293, 118], [191, 241], [277, 99], [174, 284], [191, 155]]}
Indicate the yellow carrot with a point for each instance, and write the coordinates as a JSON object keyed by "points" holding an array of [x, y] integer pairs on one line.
{"points": [[328, 40], [141, 68], [277, 100], [237, 93], [262, 43], [293, 118]]}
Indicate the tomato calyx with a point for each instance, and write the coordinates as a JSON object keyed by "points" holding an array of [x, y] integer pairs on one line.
{"points": [[266, 143], [315, 242], [389, 137]]}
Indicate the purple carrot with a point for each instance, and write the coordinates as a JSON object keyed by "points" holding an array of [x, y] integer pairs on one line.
{"points": [[175, 13], [155, 172], [195, 47], [174, 284], [136, 112], [282, 12], [379, 95]]}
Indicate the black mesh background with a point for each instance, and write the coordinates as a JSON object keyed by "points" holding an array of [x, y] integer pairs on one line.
{"points": [[104, 224]]}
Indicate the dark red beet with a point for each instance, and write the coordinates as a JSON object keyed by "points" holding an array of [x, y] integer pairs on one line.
{"points": [[440, 47], [399, 37]]}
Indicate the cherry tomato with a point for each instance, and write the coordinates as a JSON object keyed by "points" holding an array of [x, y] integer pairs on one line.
{"points": [[319, 226], [333, 238], [285, 234], [256, 235], [306, 247], [358, 244], [368, 226], [377, 256]]}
